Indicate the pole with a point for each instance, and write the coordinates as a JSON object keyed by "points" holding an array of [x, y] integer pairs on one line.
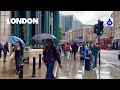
{"points": [[99, 54], [39, 61], [21, 72], [34, 64]]}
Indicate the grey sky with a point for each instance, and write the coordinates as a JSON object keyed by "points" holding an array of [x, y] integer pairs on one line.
{"points": [[90, 17]]}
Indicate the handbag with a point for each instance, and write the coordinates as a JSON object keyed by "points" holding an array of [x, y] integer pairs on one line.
{"points": [[21, 62], [12, 56]]}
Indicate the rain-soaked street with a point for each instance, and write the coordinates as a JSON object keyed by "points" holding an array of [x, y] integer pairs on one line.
{"points": [[7, 70], [74, 69]]}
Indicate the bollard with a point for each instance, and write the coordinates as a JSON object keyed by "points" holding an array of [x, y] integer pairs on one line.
{"points": [[21, 72], [34, 64], [39, 61], [119, 55]]}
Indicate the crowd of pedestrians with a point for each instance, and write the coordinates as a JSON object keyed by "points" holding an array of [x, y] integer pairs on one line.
{"points": [[88, 53]]}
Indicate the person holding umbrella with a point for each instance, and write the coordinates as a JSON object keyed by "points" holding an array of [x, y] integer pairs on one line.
{"points": [[18, 56], [51, 54], [19, 48]]}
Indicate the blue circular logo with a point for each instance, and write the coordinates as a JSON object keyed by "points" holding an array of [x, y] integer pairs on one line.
{"points": [[109, 22]]}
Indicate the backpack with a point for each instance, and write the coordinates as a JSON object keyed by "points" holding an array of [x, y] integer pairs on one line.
{"points": [[68, 48], [87, 52]]}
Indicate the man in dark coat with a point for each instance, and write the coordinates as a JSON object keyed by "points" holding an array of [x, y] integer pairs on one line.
{"points": [[5, 50], [74, 49]]}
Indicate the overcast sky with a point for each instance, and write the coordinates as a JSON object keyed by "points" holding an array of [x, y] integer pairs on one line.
{"points": [[90, 17]]}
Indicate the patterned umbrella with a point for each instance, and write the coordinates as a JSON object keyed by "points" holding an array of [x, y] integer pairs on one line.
{"points": [[43, 36]]}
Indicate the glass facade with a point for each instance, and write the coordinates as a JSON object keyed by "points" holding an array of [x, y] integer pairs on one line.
{"points": [[71, 22]]}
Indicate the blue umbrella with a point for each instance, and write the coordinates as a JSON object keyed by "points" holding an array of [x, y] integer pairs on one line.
{"points": [[14, 40]]}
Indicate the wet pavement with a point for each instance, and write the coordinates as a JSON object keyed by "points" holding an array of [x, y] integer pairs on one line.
{"points": [[7, 70], [74, 69]]}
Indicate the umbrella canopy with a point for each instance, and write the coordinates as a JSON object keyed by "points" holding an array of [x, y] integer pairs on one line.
{"points": [[14, 40], [63, 42], [76, 40], [43, 36]]}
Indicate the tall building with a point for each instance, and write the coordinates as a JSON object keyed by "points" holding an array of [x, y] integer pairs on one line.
{"points": [[48, 23], [62, 22], [109, 31], [76, 24], [71, 22], [5, 29], [86, 31], [68, 22], [45, 25], [116, 18]]}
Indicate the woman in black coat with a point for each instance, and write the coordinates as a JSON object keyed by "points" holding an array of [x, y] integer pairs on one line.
{"points": [[18, 56]]}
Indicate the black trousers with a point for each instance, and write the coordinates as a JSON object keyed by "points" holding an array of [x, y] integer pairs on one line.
{"points": [[74, 55], [5, 53], [87, 64], [17, 63], [0, 53]]}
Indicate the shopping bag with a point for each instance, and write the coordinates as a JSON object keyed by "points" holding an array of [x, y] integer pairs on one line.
{"points": [[12, 56]]}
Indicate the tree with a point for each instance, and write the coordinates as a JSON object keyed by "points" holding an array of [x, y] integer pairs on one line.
{"points": [[60, 33]]}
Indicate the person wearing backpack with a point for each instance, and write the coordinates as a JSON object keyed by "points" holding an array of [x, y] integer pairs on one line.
{"points": [[82, 50], [50, 55], [87, 58], [68, 49]]}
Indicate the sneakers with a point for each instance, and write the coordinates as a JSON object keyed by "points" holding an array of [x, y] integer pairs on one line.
{"points": [[94, 68], [17, 72]]}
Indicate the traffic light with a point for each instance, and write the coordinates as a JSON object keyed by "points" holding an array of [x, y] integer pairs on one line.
{"points": [[95, 27], [100, 27]]}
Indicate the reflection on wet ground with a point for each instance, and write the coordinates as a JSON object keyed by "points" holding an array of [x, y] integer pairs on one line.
{"points": [[7, 70], [74, 69]]}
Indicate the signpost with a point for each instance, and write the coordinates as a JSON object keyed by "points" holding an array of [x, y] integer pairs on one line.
{"points": [[99, 29]]}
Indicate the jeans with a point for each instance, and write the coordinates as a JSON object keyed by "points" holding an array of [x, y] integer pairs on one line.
{"points": [[64, 53], [68, 54], [17, 63], [49, 73], [94, 60], [74, 54]]}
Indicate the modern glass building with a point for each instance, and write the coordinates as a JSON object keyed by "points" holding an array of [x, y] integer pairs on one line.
{"points": [[62, 22], [71, 22]]}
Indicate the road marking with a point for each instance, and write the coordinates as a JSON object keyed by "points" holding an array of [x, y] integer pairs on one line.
{"points": [[104, 61]]}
